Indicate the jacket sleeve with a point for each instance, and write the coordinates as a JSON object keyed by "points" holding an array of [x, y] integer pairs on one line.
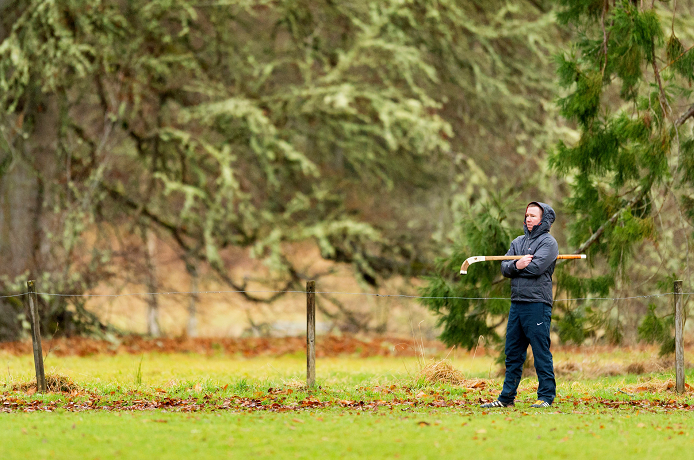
{"points": [[508, 267], [545, 255]]}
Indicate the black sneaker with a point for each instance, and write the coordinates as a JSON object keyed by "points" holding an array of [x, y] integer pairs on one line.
{"points": [[496, 403], [540, 403]]}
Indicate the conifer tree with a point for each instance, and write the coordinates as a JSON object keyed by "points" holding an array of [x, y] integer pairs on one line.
{"points": [[626, 82], [625, 85], [472, 306]]}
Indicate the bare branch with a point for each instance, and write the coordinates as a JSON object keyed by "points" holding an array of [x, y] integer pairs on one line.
{"points": [[663, 98], [351, 318], [221, 272], [173, 229], [605, 35], [685, 116]]}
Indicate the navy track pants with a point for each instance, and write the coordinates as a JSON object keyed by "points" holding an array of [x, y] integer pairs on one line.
{"points": [[528, 324]]}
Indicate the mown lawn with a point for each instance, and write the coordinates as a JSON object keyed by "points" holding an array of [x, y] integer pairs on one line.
{"points": [[194, 406], [337, 434]]}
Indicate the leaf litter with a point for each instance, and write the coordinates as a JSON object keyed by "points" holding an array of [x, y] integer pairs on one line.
{"points": [[458, 392], [465, 395]]}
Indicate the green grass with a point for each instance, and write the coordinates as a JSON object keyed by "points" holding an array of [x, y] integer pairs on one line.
{"points": [[373, 408], [166, 369], [339, 434]]}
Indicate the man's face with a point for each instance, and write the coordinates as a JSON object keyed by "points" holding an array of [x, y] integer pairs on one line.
{"points": [[533, 216]]}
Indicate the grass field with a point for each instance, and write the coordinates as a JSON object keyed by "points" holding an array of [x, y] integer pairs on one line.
{"points": [[210, 406], [336, 434]]}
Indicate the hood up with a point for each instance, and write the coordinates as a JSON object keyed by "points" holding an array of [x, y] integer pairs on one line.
{"points": [[545, 224]]}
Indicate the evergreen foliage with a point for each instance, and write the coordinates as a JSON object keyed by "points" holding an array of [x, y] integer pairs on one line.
{"points": [[624, 84], [658, 330], [625, 81], [463, 312]]}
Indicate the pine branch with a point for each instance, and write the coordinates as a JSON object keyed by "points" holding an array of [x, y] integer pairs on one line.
{"points": [[594, 237], [677, 58]]}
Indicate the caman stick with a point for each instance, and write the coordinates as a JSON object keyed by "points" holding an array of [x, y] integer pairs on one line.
{"points": [[471, 260]]}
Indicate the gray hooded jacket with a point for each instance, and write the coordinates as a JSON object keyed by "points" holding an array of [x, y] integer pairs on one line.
{"points": [[534, 282]]}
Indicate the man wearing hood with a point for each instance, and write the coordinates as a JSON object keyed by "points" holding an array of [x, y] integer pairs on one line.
{"points": [[531, 306]]}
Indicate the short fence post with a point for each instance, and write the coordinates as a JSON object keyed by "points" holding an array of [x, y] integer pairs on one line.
{"points": [[310, 334], [679, 338], [36, 337]]}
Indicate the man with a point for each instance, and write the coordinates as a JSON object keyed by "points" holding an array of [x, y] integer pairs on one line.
{"points": [[531, 306]]}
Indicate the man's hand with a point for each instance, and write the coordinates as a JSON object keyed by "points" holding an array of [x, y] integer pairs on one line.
{"points": [[524, 262]]}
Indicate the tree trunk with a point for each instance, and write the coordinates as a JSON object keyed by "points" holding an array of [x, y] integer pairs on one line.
{"points": [[153, 327], [28, 153], [192, 328]]}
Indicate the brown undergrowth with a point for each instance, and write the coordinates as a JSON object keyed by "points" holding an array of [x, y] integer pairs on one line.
{"points": [[443, 372], [54, 384], [575, 362], [654, 386], [326, 346], [597, 369]]}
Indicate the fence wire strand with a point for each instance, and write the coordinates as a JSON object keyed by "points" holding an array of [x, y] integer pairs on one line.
{"points": [[404, 296], [13, 295]]}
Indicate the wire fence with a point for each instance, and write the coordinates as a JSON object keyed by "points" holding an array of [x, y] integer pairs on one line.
{"points": [[405, 296]]}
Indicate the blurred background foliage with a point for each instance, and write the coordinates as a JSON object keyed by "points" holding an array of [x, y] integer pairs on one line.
{"points": [[396, 137]]}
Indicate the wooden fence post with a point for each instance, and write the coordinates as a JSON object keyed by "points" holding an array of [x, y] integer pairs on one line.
{"points": [[679, 338], [310, 334], [36, 337]]}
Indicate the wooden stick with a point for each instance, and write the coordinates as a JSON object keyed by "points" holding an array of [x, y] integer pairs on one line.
{"points": [[36, 337], [471, 260], [679, 338], [310, 334]]}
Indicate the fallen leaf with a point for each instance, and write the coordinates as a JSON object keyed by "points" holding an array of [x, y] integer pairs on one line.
{"points": [[423, 423]]}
